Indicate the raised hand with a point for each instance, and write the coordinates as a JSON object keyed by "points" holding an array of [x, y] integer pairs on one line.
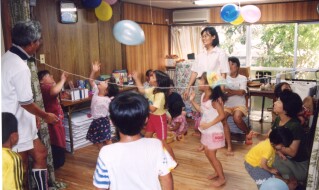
{"points": [[96, 66]]}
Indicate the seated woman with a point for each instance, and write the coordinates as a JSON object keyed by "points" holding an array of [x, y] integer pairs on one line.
{"points": [[292, 161], [307, 107]]}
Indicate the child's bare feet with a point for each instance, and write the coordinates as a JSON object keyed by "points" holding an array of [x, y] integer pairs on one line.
{"points": [[212, 176], [219, 182], [201, 148]]}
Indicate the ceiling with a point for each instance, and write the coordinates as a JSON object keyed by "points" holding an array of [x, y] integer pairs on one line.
{"points": [[170, 4]]}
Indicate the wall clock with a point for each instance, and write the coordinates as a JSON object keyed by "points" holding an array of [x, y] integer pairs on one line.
{"points": [[68, 12]]}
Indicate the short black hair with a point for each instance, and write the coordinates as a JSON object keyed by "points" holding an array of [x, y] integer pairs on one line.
{"points": [[9, 125], [292, 103], [281, 135], [148, 72], [278, 90], [234, 60], [42, 73], [176, 109], [128, 112], [212, 31], [112, 89]]}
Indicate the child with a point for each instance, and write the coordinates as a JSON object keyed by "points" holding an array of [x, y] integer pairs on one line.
{"points": [[147, 78], [172, 98], [100, 129], [134, 162], [179, 124], [211, 128], [157, 97], [12, 169], [259, 159], [50, 92]]}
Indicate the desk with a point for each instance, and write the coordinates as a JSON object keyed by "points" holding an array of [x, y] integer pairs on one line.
{"points": [[263, 93], [78, 105]]}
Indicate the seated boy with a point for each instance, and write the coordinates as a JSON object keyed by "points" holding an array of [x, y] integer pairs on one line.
{"points": [[134, 162], [12, 169], [236, 104]]}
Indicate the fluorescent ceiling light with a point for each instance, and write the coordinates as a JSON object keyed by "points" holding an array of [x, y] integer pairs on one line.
{"points": [[215, 2]]}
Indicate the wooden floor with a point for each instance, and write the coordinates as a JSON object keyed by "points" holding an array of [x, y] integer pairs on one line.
{"points": [[190, 174]]}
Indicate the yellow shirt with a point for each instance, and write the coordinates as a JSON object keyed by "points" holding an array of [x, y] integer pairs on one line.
{"points": [[261, 150], [157, 100], [12, 170]]}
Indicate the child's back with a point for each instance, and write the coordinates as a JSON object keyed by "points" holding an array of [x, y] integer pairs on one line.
{"points": [[134, 162], [135, 165]]}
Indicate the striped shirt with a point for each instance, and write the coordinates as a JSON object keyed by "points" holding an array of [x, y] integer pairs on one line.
{"points": [[12, 170]]}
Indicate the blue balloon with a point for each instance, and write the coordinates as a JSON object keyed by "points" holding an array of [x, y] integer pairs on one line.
{"points": [[229, 12], [91, 4], [274, 184], [128, 32]]}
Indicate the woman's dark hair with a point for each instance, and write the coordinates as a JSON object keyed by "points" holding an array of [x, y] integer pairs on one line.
{"points": [[42, 73], [163, 84], [212, 31], [25, 32], [278, 90], [281, 135], [216, 91], [112, 89], [176, 109], [234, 60], [292, 103], [128, 112], [9, 125]]}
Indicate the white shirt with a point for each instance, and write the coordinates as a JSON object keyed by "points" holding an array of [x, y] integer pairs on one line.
{"points": [[133, 165], [16, 91], [214, 61], [237, 83], [99, 104]]}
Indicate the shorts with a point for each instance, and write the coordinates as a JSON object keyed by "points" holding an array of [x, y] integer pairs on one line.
{"points": [[231, 110], [157, 124], [258, 174], [22, 147]]}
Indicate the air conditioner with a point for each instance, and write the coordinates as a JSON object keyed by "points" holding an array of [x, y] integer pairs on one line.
{"points": [[191, 16]]}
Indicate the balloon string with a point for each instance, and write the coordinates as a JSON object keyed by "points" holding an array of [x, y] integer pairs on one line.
{"points": [[151, 12], [175, 87]]}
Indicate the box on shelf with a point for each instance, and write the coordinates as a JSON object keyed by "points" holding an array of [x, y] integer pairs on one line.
{"points": [[75, 94]]}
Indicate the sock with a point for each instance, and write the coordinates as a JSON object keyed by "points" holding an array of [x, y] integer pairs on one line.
{"points": [[40, 177]]}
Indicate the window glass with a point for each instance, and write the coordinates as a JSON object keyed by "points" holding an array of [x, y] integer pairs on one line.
{"points": [[307, 49], [233, 40]]}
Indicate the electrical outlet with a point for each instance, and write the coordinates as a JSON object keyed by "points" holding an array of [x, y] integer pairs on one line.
{"points": [[42, 58]]}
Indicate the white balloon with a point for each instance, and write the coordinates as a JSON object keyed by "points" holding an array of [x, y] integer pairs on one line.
{"points": [[128, 32]]}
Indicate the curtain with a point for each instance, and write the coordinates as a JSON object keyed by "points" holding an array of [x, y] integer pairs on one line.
{"points": [[20, 10], [185, 40]]}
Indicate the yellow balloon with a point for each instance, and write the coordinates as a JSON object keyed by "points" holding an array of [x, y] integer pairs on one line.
{"points": [[104, 11], [238, 20]]}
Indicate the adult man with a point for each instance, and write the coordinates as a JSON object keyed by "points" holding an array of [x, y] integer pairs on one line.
{"points": [[236, 104], [17, 97]]}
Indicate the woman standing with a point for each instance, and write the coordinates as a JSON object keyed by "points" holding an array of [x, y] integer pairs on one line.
{"points": [[211, 59]]}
